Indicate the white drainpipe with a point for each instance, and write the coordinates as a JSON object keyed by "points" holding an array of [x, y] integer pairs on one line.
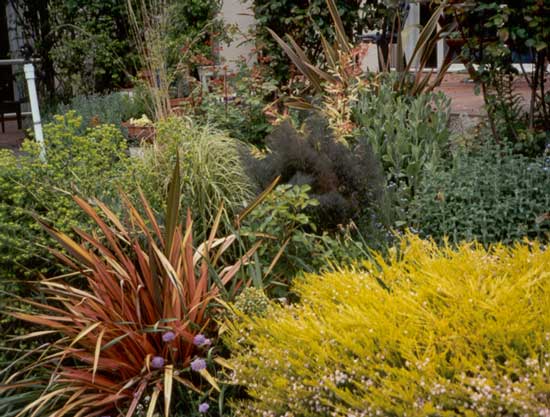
{"points": [[30, 76]]}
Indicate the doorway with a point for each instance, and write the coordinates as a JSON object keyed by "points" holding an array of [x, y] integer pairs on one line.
{"points": [[6, 74]]}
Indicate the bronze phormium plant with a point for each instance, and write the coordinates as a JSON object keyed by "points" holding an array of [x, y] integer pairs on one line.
{"points": [[136, 329]]}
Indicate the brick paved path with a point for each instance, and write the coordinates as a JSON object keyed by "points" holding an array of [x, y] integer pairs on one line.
{"points": [[463, 98]]}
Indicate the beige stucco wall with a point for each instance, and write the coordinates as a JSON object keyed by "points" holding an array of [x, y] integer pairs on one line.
{"points": [[239, 14]]}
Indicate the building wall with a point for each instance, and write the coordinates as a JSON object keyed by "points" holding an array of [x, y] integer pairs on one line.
{"points": [[15, 33], [16, 42], [240, 15]]}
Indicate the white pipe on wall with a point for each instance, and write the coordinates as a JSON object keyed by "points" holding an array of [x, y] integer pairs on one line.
{"points": [[33, 98]]}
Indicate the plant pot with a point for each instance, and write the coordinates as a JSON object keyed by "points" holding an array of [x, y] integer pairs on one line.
{"points": [[177, 102], [140, 133]]}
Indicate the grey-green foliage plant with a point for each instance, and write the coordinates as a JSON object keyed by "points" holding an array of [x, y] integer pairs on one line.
{"points": [[113, 108], [408, 133], [489, 195], [212, 173]]}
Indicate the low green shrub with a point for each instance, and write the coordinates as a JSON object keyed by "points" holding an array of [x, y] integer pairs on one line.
{"points": [[430, 332], [90, 163], [490, 195], [211, 171], [293, 243]]}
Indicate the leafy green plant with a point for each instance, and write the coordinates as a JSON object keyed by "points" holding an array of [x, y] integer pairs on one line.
{"points": [[85, 47], [430, 331], [137, 329], [508, 118], [187, 34], [238, 105], [494, 35], [490, 195], [91, 50], [91, 161], [345, 180], [212, 173], [284, 220]]}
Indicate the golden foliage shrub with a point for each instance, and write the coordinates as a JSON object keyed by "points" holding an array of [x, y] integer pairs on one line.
{"points": [[430, 332]]}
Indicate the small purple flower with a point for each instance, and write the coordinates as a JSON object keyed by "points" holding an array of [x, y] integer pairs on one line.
{"points": [[157, 362], [198, 365], [203, 407], [200, 340], [168, 337]]}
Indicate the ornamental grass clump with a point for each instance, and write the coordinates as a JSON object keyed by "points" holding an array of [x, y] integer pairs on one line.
{"points": [[429, 332], [211, 172], [133, 335]]}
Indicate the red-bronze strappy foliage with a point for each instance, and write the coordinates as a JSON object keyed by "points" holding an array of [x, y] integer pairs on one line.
{"points": [[143, 280]]}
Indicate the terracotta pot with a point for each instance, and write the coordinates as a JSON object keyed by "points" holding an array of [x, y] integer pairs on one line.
{"points": [[176, 102], [141, 133]]}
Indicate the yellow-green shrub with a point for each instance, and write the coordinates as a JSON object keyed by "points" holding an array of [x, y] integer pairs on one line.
{"points": [[88, 161], [429, 332]]}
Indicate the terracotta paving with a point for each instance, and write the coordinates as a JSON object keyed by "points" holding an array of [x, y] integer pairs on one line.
{"points": [[461, 90]]}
